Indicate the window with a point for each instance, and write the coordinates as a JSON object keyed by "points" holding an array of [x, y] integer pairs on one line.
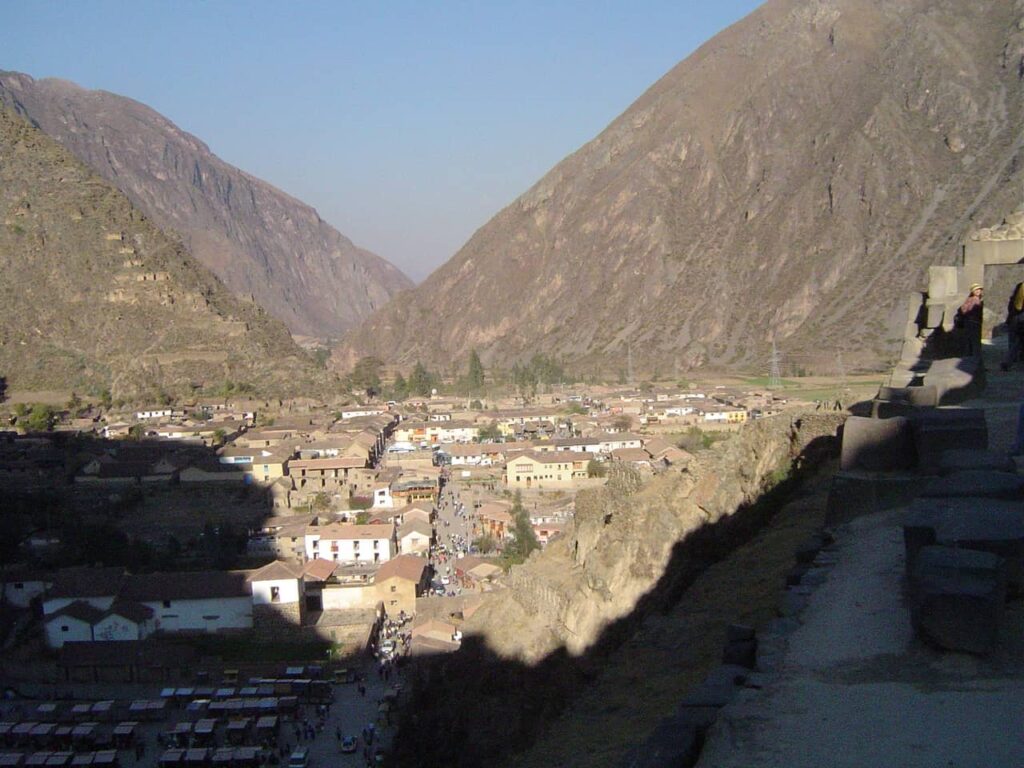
{"points": [[275, 594], [19, 585], [64, 628], [167, 603], [394, 588]]}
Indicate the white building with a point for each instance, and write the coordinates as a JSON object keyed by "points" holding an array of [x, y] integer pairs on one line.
{"points": [[350, 543]]}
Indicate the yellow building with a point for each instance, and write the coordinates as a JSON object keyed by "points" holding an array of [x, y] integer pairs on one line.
{"points": [[559, 469]]}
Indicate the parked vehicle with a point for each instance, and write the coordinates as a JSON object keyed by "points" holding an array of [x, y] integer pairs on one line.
{"points": [[299, 758]]}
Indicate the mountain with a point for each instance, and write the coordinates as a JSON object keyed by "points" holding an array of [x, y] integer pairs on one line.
{"points": [[94, 296], [258, 240], [790, 181]]}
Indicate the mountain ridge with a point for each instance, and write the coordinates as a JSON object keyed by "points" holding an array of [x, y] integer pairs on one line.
{"points": [[261, 241], [788, 182], [95, 297]]}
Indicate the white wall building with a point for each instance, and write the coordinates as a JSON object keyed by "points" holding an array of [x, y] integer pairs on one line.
{"points": [[350, 543]]}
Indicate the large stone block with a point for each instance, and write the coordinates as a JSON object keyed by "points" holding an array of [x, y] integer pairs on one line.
{"points": [[957, 598], [936, 430], [959, 459], [986, 525], [881, 445], [857, 493], [976, 482], [942, 282]]}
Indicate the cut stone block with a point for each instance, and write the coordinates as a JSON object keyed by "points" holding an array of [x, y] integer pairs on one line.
{"points": [[958, 598], [957, 459], [976, 482], [936, 430], [942, 282], [881, 445], [857, 493], [986, 525]]}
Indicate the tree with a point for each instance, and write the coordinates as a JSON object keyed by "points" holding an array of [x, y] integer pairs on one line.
{"points": [[320, 502], [622, 423], [106, 400], [596, 469], [421, 381], [485, 543], [74, 404], [490, 432], [524, 540], [475, 374], [366, 375], [400, 388], [219, 436], [40, 419]]}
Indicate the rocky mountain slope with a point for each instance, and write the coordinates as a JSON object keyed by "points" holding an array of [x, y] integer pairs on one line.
{"points": [[258, 240], [789, 181], [94, 296]]}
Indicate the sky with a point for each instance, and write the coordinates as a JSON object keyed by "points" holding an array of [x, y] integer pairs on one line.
{"points": [[407, 125]]}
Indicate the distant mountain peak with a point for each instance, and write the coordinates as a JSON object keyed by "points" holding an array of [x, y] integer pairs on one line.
{"points": [[259, 240]]}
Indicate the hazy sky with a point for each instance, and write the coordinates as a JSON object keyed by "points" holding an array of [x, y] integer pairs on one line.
{"points": [[406, 124]]}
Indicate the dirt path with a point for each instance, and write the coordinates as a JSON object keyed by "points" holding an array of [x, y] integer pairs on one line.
{"points": [[645, 679]]}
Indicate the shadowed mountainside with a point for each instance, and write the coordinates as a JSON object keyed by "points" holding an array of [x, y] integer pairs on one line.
{"points": [[791, 180], [95, 297], [258, 240]]}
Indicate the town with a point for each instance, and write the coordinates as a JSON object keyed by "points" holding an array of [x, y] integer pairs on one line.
{"points": [[232, 539]]}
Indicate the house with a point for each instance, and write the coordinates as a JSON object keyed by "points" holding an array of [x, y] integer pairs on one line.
{"points": [[104, 604], [495, 519], [559, 469], [328, 473], [202, 601], [350, 543], [278, 593], [382, 498], [476, 573], [19, 586], [400, 581], [97, 587], [354, 412], [434, 636], [414, 537]]}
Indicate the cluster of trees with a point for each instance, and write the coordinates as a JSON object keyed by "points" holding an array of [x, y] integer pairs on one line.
{"points": [[366, 377], [526, 379], [541, 371], [37, 418]]}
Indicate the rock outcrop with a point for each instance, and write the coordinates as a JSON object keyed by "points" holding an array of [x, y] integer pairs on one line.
{"points": [[259, 241], [624, 537]]}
